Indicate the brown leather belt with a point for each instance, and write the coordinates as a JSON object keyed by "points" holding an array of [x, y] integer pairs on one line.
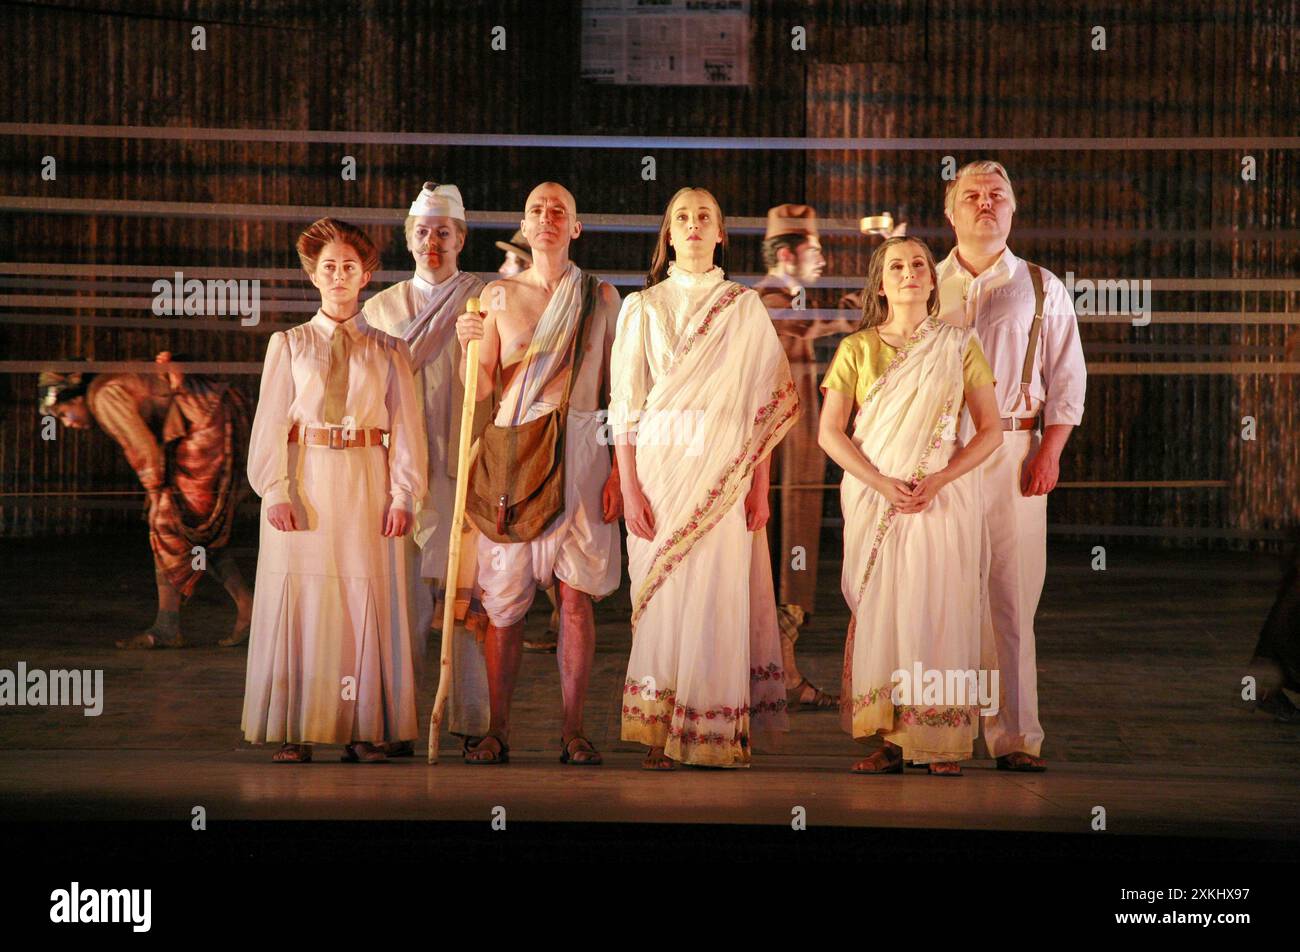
{"points": [[1019, 423], [333, 436]]}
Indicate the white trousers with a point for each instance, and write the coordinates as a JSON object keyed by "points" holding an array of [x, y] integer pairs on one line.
{"points": [[1013, 565]]}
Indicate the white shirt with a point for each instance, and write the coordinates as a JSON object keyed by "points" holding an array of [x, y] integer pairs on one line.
{"points": [[381, 393], [423, 286], [999, 304]]}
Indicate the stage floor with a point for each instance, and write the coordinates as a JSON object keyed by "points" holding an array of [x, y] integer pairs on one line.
{"points": [[238, 785], [1140, 675]]}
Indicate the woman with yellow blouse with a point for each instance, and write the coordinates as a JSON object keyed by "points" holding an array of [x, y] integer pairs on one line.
{"points": [[912, 528]]}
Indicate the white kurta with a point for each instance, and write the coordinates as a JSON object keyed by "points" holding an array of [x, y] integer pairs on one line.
{"points": [[394, 311], [329, 657], [437, 374], [999, 304], [700, 378]]}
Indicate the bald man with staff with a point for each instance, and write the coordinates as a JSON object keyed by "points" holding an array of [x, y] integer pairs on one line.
{"points": [[543, 490]]}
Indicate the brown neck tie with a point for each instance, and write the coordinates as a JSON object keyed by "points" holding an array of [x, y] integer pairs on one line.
{"points": [[336, 381]]}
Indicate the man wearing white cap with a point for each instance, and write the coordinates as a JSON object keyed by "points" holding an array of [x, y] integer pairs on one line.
{"points": [[422, 310], [1026, 325]]}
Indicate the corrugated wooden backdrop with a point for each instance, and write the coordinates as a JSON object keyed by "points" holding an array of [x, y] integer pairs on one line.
{"points": [[911, 69]]}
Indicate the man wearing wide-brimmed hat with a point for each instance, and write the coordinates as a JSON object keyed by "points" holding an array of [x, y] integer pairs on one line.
{"points": [[519, 256], [792, 253]]}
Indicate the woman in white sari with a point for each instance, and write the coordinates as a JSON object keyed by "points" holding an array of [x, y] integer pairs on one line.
{"points": [[912, 522], [700, 394]]}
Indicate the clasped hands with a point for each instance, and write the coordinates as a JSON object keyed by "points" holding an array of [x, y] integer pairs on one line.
{"points": [[910, 497]]}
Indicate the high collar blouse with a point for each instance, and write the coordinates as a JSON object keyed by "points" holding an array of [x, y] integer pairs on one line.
{"points": [[381, 393], [650, 326]]}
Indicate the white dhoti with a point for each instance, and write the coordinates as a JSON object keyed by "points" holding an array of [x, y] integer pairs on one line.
{"points": [[579, 548], [1013, 564]]}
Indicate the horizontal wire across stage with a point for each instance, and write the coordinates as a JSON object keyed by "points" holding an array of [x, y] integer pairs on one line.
{"points": [[44, 293]]}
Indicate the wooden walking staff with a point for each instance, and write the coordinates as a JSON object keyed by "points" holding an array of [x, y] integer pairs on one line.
{"points": [[457, 536]]}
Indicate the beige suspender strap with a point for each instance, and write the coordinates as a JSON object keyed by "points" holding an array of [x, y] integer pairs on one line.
{"points": [[1027, 372]]}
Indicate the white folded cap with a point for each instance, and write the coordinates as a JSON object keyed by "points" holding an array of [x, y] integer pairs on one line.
{"points": [[440, 200]]}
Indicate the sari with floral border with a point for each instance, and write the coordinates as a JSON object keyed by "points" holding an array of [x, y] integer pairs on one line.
{"points": [[912, 581], [705, 669]]}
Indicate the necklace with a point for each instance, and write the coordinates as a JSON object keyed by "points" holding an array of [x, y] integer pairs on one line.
{"points": [[893, 345]]}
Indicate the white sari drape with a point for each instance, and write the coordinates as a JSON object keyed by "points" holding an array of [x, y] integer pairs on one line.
{"points": [[912, 580], [705, 669]]}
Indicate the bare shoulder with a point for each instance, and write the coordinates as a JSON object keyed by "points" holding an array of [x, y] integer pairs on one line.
{"points": [[610, 303], [609, 296], [501, 290]]}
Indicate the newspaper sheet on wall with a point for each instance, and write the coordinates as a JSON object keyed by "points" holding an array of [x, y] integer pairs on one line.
{"points": [[666, 42]]}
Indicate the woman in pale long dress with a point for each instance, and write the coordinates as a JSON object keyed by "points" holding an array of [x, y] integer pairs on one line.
{"points": [[700, 394], [329, 658], [911, 500]]}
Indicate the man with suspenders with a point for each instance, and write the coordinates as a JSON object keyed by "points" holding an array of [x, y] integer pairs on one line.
{"points": [[1026, 325]]}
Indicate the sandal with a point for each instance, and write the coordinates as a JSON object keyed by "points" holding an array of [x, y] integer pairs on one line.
{"points": [[147, 641], [578, 752], [820, 701], [883, 761], [946, 768], [397, 748], [362, 752], [467, 743], [1022, 762], [501, 755], [292, 754], [660, 761]]}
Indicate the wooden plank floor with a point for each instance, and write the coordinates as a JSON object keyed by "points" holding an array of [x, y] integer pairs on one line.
{"points": [[1140, 667]]}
